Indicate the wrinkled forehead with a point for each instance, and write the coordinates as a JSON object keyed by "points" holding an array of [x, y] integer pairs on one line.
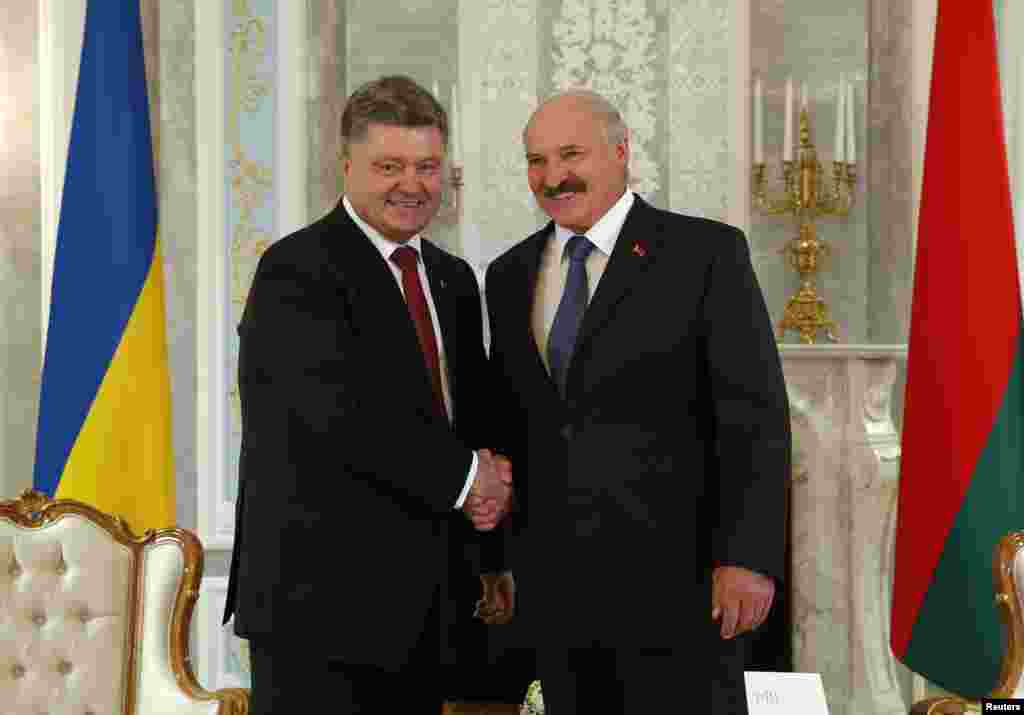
{"points": [[562, 123]]}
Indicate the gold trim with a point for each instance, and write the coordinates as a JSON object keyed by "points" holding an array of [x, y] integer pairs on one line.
{"points": [[35, 510], [1008, 602], [944, 705]]}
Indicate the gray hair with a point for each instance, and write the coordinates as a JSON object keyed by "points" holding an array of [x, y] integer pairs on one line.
{"points": [[615, 129]]}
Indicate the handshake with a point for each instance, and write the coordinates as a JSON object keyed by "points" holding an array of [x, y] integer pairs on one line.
{"points": [[490, 496]]}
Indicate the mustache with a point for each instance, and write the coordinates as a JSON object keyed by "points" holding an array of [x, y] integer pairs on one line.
{"points": [[567, 185]]}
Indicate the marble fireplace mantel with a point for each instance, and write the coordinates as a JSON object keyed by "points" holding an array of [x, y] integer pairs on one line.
{"points": [[846, 468]]}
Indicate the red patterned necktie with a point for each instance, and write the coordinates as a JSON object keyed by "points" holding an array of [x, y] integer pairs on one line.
{"points": [[405, 258]]}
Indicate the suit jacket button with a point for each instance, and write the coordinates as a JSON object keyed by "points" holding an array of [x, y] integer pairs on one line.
{"points": [[567, 432]]}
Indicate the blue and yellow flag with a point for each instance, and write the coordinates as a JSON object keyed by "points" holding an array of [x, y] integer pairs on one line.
{"points": [[105, 410]]}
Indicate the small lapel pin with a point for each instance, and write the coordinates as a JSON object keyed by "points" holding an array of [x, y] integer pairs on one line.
{"points": [[444, 284], [639, 250]]}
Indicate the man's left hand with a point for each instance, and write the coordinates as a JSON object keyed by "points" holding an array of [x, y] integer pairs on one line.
{"points": [[741, 598], [498, 603]]}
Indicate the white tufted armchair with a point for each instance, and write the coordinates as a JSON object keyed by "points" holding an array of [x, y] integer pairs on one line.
{"points": [[95, 620], [1008, 577]]}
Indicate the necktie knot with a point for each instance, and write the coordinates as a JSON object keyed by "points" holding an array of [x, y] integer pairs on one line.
{"points": [[405, 258], [578, 248]]}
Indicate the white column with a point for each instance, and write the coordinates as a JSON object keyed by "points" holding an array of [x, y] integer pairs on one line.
{"points": [[211, 268]]}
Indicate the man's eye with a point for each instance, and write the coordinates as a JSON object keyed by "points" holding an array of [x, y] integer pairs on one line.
{"points": [[534, 161], [572, 153], [389, 167], [428, 169]]}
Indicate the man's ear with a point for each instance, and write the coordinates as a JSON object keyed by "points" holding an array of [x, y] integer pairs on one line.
{"points": [[622, 149]]}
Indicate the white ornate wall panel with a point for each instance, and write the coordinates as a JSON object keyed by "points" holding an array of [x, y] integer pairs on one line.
{"points": [[700, 145], [498, 80], [252, 176]]}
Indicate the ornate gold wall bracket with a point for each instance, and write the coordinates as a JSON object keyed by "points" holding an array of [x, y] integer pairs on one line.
{"points": [[807, 196]]}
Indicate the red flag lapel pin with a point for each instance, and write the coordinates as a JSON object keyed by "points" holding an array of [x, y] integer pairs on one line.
{"points": [[638, 249]]}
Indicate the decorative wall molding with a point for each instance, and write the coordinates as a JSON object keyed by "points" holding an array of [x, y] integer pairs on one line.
{"points": [[223, 657], [237, 220], [843, 521]]}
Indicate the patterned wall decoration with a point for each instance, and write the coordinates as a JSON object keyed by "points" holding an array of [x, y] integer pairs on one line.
{"points": [[498, 50], [699, 86], [250, 137], [608, 46]]}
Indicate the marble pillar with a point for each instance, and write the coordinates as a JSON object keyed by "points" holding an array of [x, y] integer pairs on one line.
{"points": [[846, 466]]}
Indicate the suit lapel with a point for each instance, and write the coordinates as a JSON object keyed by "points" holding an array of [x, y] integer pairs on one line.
{"points": [[439, 277], [381, 316], [635, 251]]}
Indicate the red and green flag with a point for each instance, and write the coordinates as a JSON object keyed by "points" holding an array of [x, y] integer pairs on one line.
{"points": [[963, 436]]}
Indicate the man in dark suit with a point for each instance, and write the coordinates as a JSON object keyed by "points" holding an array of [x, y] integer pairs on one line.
{"points": [[363, 381], [647, 418]]}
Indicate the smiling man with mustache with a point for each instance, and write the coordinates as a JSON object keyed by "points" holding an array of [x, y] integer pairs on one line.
{"points": [[363, 382], [647, 418]]}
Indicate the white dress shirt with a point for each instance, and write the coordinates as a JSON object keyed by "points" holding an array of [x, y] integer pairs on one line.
{"points": [[554, 267], [386, 248]]}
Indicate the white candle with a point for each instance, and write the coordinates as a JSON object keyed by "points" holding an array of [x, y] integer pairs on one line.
{"points": [[758, 122], [454, 137], [437, 92], [851, 126], [803, 97], [787, 144], [840, 146]]}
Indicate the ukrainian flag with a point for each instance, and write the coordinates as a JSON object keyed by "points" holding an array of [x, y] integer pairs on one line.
{"points": [[104, 432]]}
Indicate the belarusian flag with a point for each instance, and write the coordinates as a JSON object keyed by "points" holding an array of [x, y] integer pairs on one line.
{"points": [[963, 454]]}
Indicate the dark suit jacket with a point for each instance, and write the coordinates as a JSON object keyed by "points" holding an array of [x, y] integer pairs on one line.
{"points": [[345, 521], [669, 452]]}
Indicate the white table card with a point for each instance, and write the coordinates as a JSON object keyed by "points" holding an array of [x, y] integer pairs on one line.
{"points": [[785, 694]]}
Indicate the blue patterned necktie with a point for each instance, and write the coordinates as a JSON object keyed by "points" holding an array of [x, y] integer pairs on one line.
{"points": [[562, 340]]}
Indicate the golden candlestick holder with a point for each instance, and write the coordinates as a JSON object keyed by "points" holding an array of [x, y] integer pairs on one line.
{"points": [[807, 196]]}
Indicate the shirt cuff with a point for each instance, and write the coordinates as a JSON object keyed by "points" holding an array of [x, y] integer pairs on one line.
{"points": [[469, 483]]}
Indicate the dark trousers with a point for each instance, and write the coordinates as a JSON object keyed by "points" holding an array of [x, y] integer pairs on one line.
{"points": [[728, 690], [644, 681], [604, 680], [287, 680]]}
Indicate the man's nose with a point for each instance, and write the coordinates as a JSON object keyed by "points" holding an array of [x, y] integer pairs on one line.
{"points": [[555, 173], [410, 180]]}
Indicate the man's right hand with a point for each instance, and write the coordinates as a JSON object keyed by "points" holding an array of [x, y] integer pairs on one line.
{"points": [[490, 496]]}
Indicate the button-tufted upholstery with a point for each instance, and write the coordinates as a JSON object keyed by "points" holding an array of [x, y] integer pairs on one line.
{"points": [[1008, 577], [94, 620]]}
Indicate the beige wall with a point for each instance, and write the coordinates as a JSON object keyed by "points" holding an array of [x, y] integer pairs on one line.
{"points": [[20, 244]]}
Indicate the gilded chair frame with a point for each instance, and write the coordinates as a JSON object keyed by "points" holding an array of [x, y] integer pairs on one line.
{"points": [[1008, 602], [33, 510]]}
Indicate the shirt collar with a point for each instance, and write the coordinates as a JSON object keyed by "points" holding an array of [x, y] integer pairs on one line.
{"points": [[605, 232], [385, 246]]}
